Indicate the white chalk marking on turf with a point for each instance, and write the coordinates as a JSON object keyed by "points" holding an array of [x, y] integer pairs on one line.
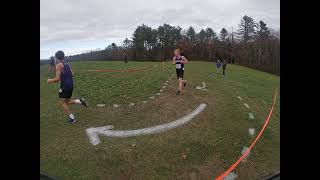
{"points": [[243, 151], [239, 98], [131, 104], [230, 176], [165, 83], [204, 89], [115, 105], [251, 116], [251, 131], [93, 133], [163, 87], [246, 105], [151, 97], [144, 102], [158, 94], [101, 105], [201, 87], [161, 90]]}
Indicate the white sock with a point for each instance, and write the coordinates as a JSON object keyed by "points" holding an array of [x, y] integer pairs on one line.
{"points": [[77, 101], [71, 116]]}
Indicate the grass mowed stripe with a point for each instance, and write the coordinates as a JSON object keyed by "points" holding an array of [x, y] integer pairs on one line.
{"points": [[202, 148]]}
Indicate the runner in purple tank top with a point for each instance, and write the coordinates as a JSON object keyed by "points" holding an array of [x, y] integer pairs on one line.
{"points": [[64, 75]]}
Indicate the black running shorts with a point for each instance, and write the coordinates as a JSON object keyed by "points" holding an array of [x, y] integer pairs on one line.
{"points": [[66, 94], [179, 73]]}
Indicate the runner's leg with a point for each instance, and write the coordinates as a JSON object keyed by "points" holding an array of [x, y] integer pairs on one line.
{"points": [[77, 101], [180, 84], [64, 105]]}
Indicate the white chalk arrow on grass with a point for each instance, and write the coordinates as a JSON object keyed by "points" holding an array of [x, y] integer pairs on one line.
{"points": [[246, 105], [203, 87], [105, 130]]}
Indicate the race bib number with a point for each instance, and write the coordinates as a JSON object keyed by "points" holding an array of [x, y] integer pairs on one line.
{"points": [[178, 66]]}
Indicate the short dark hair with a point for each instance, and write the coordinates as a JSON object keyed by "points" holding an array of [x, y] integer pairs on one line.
{"points": [[59, 55]]}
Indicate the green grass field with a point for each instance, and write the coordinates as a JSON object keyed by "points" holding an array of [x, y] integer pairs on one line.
{"points": [[211, 142]]}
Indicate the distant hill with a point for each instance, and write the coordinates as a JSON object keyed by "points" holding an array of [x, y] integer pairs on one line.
{"points": [[43, 61]]}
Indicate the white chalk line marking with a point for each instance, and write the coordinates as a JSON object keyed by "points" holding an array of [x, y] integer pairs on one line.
{"points": [[239, 98], [243, 151], [230, 176], [203, 87], [132, 104], [251, 131], [93, 133], [165, 84], [246, 105], [251, 116], [204, 84]]}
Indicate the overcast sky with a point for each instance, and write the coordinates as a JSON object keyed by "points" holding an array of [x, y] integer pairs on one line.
{"points": [[76, 26]]}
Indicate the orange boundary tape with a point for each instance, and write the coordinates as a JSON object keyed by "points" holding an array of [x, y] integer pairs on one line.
{"points": [[233, 166]]}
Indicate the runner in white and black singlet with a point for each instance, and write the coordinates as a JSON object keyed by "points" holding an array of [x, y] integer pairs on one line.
{"points": [[179, 62]]}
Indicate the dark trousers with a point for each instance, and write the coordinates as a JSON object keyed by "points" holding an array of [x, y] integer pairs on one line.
{"points": [[223, 69]]}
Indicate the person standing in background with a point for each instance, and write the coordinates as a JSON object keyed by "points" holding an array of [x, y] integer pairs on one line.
{"points": [[224, 65], [125, 58], [52, 64]]}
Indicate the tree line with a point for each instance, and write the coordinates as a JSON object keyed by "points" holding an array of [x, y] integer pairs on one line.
{"points": [[252, 44]]}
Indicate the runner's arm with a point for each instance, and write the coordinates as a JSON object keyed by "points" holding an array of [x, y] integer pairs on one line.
{"points": [[58, 73], [185, 60], [173, 61], [71, 70]]}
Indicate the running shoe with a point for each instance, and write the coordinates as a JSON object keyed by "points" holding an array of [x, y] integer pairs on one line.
{"points": [[83, 102], [70, 120]]}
